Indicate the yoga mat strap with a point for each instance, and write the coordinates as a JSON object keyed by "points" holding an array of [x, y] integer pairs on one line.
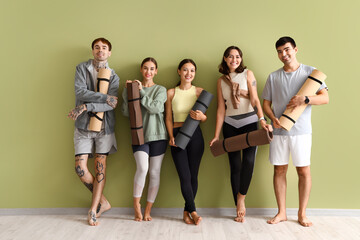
{"points": [[247, 139], [316, 80], [288, 118], [94, 115], [98, 83], [206, 107], [186, 135], [135, 99], [224, 146]]}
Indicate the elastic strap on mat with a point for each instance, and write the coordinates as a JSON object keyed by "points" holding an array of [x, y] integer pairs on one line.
{"points": [[224, 145], [186, 135], [316, 80], [135, 99], [288, 118], [247, 139], [94, 115], [202, 104], [98, 83]]}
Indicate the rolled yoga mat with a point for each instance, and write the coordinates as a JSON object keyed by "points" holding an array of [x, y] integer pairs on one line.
{"points": [[136, 124], [311, 85], [187, 130], [102, 86], [242, 141]]}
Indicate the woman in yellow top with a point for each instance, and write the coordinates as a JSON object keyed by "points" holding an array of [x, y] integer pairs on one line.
{"points": [[178, 106]]}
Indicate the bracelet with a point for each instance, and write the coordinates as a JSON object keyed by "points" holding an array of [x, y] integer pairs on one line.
{"points": [[262, 118]]}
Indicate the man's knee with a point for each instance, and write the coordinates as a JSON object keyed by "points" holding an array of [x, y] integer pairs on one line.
{"points": [[100, 165], [280, 170], [303, 171], [80, 165]]}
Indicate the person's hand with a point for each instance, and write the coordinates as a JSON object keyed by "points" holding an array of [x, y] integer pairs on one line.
{"points": [[296, 101], [214, 140], [140, 85], [276, 122], [197, 115], [127, 81], [112, 101], [266, 126], [76, 112], [172, 142]]}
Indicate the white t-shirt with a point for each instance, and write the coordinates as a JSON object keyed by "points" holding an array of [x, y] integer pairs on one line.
{"points": [[280, 87]]}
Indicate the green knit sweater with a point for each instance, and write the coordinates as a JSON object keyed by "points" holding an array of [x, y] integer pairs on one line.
{"points": [[152, 108]]}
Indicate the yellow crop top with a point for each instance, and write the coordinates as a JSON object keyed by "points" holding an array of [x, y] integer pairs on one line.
{"points": [[182, 103]]}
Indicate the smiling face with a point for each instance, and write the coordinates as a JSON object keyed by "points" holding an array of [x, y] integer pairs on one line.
{"points": [[148, 70], [287, 53], [233, 61], [101, 51], [187, 73]]}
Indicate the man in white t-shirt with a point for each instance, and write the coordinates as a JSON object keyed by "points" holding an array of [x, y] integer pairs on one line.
{"points": [[279, 93]]}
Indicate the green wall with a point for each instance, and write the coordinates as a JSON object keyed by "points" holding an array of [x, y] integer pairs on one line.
{"points": [[42, 42]]}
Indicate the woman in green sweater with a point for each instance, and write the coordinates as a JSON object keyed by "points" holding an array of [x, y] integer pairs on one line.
{"points": [[148, 156]]}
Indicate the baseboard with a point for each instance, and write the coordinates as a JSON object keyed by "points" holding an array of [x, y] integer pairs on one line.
{"points": [[176, 211]]}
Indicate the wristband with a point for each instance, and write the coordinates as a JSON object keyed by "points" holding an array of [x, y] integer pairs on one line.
{"points": [[262, 118]]}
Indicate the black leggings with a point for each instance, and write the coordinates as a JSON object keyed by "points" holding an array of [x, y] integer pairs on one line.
{"points": [[187, 163], [241, 170]]}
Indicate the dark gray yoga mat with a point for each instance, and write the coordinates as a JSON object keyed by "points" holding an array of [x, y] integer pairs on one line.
{"points": [[187, 130]]}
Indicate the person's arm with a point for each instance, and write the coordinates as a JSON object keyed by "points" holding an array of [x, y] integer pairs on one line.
{"points": [[220, 113], [156, 104], [168, 116], [269, 112], [254, 100], [198, 115], [81, 91], [77, 111], [321, 97]]}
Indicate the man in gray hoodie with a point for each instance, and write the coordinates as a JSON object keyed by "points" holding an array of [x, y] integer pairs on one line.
{"points": [[86, 141]]}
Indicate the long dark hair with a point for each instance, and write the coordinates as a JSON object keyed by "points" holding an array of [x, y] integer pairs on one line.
{"points": [[149, 59], [182, 63], [223, 67]]}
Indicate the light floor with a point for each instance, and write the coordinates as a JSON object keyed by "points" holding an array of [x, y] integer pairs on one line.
{"points": [[169, 226]]}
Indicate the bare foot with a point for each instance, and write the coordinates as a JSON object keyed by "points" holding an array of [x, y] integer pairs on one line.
{"points": [[147, 211], [138, 215], [304, 221], [102, 207], [92, 218], [278, 218], [197, 219], [187, 218], [240, 210]]}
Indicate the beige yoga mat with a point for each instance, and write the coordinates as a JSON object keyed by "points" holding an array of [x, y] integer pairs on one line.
{"points": [[242, 141], [136, 124], [311, 85], [102, 86]]}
